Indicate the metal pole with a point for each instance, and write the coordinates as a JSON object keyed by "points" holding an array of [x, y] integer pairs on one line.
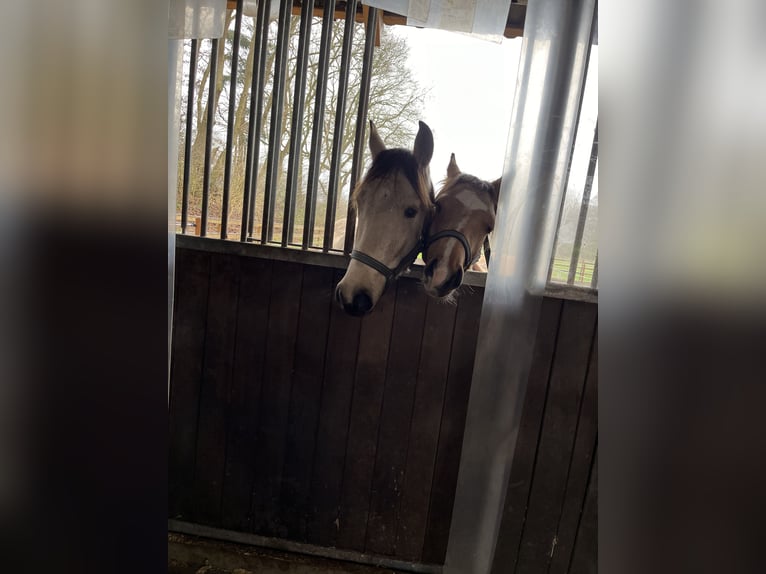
{"points": [[230, 122], [187, 141], [318, 122], [273, 166], [209, 136], [361, 123], [584, 205], [549, 89], [340, 115], [296, 130]]}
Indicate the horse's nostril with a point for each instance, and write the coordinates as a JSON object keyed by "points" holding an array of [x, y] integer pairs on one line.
{"points": [[429, 270], [361, 304]]}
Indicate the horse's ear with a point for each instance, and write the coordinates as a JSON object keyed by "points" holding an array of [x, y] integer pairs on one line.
{"points": [[452, 169], [424, 145], [496, 190], [376, 144]]}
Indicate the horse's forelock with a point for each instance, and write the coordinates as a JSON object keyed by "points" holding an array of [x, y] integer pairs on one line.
{"points": [[390, 161]]}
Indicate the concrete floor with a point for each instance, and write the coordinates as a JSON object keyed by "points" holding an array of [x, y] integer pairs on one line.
{"points": [[194, 555]]}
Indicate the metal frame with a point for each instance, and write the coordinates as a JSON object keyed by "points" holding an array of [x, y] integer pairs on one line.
{"points": [[546, 103], [209, 136], [230, 120], [253, 154], [296, 128], [340, 116], [275, 127]]}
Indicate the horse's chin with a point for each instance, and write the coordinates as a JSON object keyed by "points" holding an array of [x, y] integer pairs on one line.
{"points": [[439, 292]]}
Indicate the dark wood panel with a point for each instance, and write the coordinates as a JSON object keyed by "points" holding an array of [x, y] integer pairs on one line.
{"points": [[398, 398], [452, 425], [369, 382], [520, 478], [249, 356], [327, 480], [582, 459], [303, 418], [435, 352], [585, 555], [578, 321], [214, 392], [286, 279], [191, 294]]}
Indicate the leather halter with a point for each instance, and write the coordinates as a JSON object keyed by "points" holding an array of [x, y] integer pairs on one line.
{"points": [[455, 234], [387, 272]]}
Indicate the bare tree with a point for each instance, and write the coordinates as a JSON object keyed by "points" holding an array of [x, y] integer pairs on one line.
{"points": [[395, 104]]}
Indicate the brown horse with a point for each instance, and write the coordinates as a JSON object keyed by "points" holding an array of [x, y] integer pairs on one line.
{"points": [[393, 203], [465, 216]]}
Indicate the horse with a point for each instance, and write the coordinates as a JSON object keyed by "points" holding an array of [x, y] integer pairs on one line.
{"points": [[465, 216], [393, 203]]}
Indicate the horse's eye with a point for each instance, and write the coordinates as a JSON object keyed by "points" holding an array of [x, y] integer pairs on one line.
{"points": [[410, 212]]}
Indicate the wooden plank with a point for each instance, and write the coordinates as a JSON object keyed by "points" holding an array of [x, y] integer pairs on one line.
{"points": [[585, 555], [578, 321], [374, 341], [580, 467], [214, 392], [398, 398], [327, 480], [286, 279], [522, 467], [303, 418], [249, 357], [452, 426], [191, 294], [435, 353]]}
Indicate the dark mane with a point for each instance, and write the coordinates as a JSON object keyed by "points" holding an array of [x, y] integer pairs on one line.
{"points": [[391, 160]]}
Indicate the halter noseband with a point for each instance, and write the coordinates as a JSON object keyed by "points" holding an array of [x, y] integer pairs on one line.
{"points": [[455, 234], [387, 272]]}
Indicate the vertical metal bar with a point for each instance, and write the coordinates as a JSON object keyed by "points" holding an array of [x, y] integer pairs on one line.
{"points": [[209, 136], [593, 33], [548, 92], [188, 140], [230, 120], [577, 246], [316, 130], [340, 116], [594, 279], [296, 128], [275, 129], [361, 122], [256, 114]]}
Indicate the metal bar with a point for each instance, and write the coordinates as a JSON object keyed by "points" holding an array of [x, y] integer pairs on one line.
{"points": [[545, 104], [577, 246], [569, 168], [230, 120], [340, 116], [256, 115], [361, 123], [594, 279], [316, 130], [275, 129], [209, 135], [188, 140], [296, 129], [386, 562]]}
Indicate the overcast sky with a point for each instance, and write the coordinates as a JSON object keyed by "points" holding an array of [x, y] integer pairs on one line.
{"points": [[471, 85]]}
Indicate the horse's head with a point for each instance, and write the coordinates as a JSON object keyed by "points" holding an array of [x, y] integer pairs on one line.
{"points": [[393, 202], [465, 215]]}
